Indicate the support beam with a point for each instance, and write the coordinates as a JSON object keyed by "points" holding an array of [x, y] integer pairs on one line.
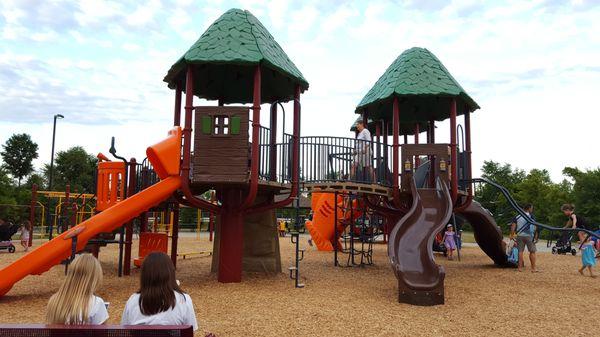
{"points": [[468, 149], [132, 179], [417, 159], [231, 237], [177, 112], [187, 147], [273, 144], [32, 207], [431, 140], [255, 140], [453, 153], [396, 150], [175, 233]]}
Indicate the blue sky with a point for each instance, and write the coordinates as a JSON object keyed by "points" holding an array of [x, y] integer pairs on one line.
{"points": [[533, 67]]}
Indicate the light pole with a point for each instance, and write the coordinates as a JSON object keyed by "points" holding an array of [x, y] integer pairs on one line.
{"points": [[48, 216], [57, 116]]}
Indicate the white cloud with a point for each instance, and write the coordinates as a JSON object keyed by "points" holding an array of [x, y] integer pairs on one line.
{"points": [[144, 13], [526, 63]]}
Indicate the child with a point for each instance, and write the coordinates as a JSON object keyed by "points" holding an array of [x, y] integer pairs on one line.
{"points": [[449, 241], [588, 257], [75, 302], [25, 228], [159, 301], [575, 221]]}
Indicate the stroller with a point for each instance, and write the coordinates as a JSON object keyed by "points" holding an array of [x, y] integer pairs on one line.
{"points": [[563, 244], [6, 233]]}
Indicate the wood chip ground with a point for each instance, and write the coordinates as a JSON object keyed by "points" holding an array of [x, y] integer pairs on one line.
{"points": [[481, 300]]}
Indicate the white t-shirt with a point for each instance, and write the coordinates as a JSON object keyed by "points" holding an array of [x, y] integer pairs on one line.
{"points": [[365, 134], [97, 311], [182, 314]]}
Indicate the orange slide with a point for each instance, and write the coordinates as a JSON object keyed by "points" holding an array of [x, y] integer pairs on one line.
{"points": [[321, 227], [164, 156]]}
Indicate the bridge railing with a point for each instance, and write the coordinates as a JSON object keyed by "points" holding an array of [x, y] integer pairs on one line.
{"points": [[333, 159]]}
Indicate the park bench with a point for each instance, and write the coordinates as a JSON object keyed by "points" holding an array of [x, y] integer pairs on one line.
{"points": [[31, 330]]}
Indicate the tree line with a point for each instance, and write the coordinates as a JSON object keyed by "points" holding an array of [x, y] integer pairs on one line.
{"points": [[579, 187], [74, 167]]}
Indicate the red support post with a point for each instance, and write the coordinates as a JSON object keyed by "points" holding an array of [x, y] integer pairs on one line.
{"points": [[32, 213], [64, 209], [177, 112], [273, 144], [211, 219], [255, 140], [231, 237], [132, 177], [175, 234], [295, 162], [453, 153], [187, 147], [432, 131], [396, 150], [417, 131], [468, 149], [431, 140]]}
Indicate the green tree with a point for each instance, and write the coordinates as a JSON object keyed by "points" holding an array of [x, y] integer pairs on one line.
{"points": [[586, 193], [491, 198], [7, 198], [18, 154], [74, 167]]}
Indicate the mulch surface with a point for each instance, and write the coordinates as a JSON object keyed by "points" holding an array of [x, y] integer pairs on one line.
{"points": [[481, 300]]}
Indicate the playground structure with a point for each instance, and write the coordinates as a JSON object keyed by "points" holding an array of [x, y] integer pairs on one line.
{"points": [[415, 188]]}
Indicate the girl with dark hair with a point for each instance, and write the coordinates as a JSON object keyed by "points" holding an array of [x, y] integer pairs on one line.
{"points": [[159, 301], [575, 221]]}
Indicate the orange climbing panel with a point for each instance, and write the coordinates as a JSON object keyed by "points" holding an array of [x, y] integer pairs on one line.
{"points": [[151, 242], [111, 184]]}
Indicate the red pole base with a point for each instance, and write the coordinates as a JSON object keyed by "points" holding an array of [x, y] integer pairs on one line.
{"points": [[231, 247]]}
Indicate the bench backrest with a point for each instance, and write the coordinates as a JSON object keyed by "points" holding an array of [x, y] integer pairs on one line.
{"points": [[30, 330]]}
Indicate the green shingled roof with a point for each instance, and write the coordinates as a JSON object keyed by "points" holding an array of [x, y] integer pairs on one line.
{"points": [[423, 85], [226, 55]]}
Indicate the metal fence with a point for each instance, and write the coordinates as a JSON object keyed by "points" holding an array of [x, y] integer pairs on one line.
{"points": [[330, 159]]}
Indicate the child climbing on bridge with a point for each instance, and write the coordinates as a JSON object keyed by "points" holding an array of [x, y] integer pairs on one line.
{"points": [[449, 241], [588, 257]]}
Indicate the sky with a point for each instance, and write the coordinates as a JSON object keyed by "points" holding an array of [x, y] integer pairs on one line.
{"points": [[532, 66]]}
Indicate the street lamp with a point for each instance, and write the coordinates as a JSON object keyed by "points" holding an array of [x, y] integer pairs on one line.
{"points": [[57, 116], [48, 216]]}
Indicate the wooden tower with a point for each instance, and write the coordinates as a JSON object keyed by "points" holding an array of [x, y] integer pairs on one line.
{"points": [[237, 62]]}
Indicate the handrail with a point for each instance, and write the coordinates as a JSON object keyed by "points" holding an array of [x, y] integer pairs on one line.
{"points": [[522, 213]]}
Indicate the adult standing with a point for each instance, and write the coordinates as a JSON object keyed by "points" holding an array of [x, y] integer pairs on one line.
{"points": [[362, 152], [524, 231]]}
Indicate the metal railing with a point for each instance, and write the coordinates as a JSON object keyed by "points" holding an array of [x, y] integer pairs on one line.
{"points": [[333, 159]]}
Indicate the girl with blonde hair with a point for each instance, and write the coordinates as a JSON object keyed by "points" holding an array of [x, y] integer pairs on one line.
{"points": [[75, 302]]}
